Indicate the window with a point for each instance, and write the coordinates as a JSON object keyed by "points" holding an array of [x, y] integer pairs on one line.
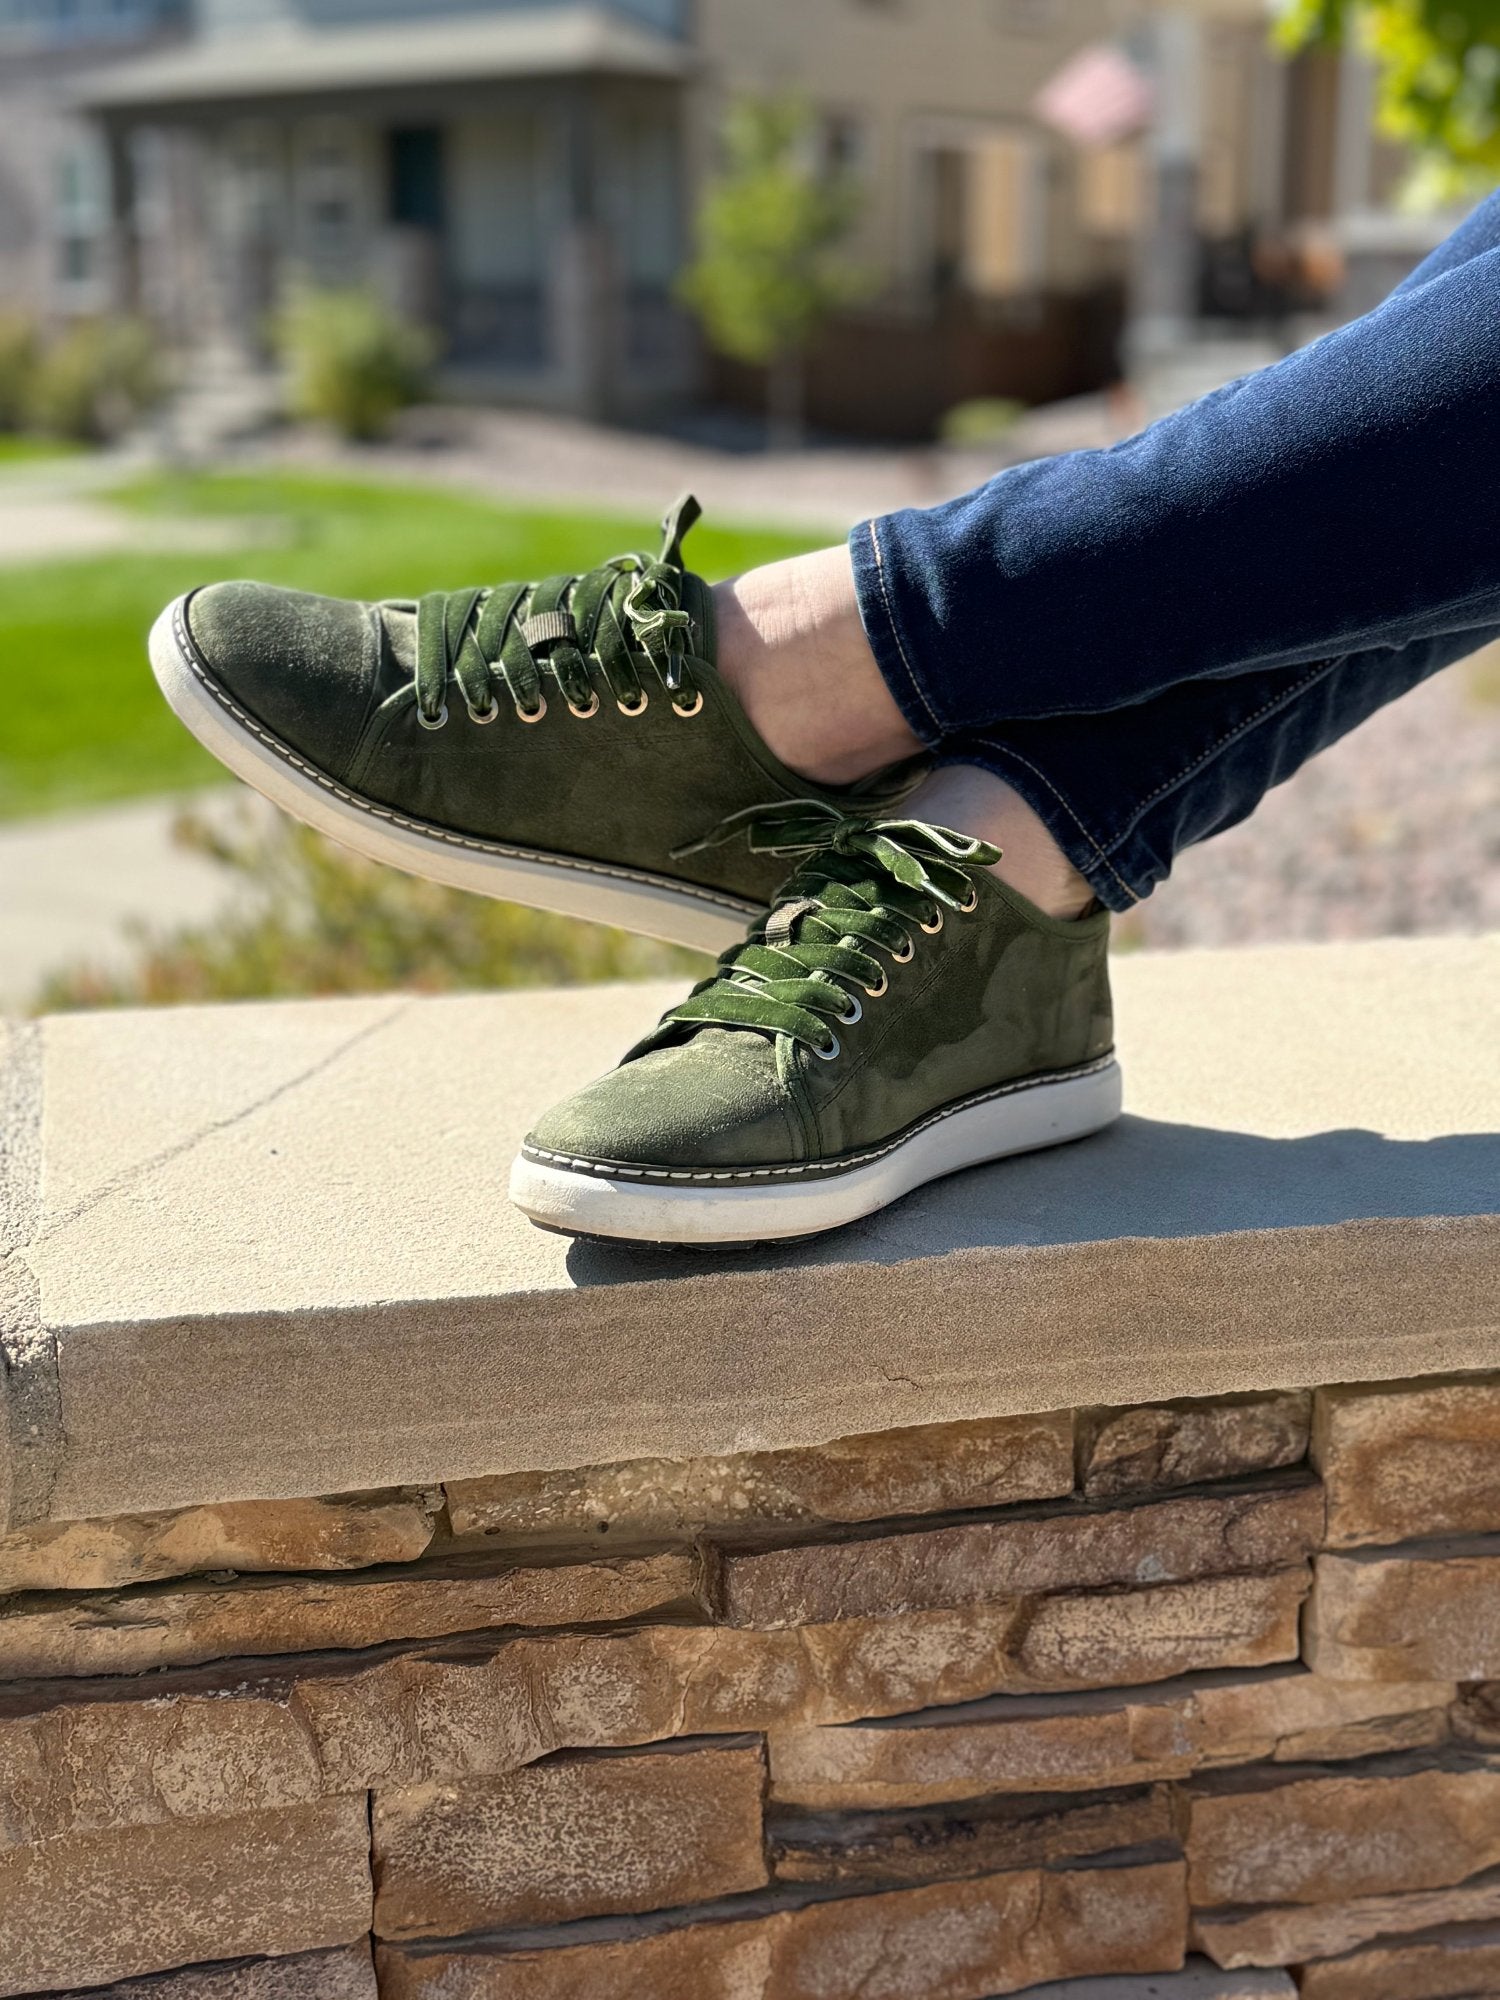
{"points": [[416, 176], [985, 215], [502, 205], [1112, 189], [841, 146], [1000, 238], [670, 16], [252, 185], [81, 215], [328, 187], [55, 21]]}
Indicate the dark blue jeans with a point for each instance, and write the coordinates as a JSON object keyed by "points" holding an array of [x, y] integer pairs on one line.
{"points": [[1142, 641]]}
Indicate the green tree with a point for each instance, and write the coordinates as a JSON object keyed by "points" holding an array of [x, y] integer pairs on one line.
{"points": [[768, 269], [1439, 63]]}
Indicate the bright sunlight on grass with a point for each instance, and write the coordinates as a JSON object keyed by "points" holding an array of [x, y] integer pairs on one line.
{"points": [[84, 721], [19, 450]]}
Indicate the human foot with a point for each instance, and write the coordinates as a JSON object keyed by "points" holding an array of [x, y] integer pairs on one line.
{"points": [[1029, 858], [793, 648], [899, 1014], [372, 723]]}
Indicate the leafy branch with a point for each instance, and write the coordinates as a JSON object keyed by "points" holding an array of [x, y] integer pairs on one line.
{"points": [[1439, 65]]}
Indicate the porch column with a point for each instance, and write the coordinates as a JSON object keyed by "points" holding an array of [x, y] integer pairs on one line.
{"points": [[1167, 271], [125, 243], [584, 283]]}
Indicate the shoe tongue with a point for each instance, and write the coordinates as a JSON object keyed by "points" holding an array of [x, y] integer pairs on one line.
{"points": [[400, 636], [698, 602]]}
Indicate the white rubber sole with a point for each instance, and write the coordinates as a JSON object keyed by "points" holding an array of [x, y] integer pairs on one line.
{"points": [[583, 1198], [702, 919]]}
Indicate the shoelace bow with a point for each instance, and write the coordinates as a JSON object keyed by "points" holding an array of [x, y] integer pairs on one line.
{"points": [[862, 887], [624, 620]]}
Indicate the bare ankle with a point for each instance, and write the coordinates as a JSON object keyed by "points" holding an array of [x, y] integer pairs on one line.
{"points": [[793, 649], [975, 801]]}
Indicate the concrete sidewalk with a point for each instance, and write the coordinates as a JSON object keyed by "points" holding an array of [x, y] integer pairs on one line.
{"points": [[70, 887]]}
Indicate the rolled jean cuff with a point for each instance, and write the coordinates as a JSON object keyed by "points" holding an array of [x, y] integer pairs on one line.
{"points": [[871, 546]]}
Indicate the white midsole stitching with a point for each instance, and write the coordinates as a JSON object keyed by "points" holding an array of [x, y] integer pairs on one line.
{"points": [[624, 1205], [610, 1170]]}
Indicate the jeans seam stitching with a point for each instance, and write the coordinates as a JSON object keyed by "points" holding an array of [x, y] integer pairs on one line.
{"points": [[895, 629], [1005, 750], [1221, 744]]}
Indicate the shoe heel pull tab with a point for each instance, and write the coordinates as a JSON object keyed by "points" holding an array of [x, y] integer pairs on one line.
{"points": [[679, 517]]}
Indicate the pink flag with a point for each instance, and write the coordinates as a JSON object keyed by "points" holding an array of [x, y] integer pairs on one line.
{"points": [[1097, 99]]}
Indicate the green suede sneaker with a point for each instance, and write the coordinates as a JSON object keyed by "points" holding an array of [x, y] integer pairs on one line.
{"points": [[898, 1015], [401, 730]]}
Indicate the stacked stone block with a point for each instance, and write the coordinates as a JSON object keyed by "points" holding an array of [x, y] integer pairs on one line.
{"points": [[1198, 1700]]}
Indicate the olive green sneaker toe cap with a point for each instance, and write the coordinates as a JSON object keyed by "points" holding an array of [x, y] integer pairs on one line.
{"points": [[713, 1102], [303, 666]]}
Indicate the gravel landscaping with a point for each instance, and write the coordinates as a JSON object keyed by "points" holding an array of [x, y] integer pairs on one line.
{"points": [[1395, 831]]}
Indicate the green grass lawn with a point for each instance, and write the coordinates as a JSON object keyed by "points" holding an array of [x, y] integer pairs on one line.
{"points": [[82, 720], [17, 450]]}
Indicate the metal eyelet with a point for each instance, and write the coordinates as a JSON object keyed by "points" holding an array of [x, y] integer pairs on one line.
{"points": [[638, 709], [436, 722], [827, 1055], [971, 903], [678, 709], [871, 992], [848, 1020], [905, 957], [485, 715], [583, 714], [532, 714], [932, 929]]}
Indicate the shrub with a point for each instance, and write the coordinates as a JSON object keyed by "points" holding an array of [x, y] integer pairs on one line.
{"points": [[18, 361], [354, 363], [984, 421], [319, 920], [96, 380]]}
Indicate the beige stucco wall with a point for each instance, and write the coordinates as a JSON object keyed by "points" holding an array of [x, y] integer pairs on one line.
{"points": [[919, 73]]}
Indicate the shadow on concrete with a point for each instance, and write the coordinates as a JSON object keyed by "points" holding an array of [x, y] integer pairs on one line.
{"points": [[1143, 1177]]}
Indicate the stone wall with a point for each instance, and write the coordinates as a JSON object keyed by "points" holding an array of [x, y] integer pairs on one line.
{"points": [[1042, 1703]]}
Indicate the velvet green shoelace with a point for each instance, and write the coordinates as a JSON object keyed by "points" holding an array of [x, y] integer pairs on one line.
{"points": [[864, 886], [624, 621]]}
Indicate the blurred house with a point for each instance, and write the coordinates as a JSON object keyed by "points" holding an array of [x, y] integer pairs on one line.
{"points": [[521, 174], [56, 225], [509, 173]]}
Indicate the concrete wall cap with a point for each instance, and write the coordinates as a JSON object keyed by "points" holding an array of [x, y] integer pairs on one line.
{"points": [[273, 1256], [30, 1414]]}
